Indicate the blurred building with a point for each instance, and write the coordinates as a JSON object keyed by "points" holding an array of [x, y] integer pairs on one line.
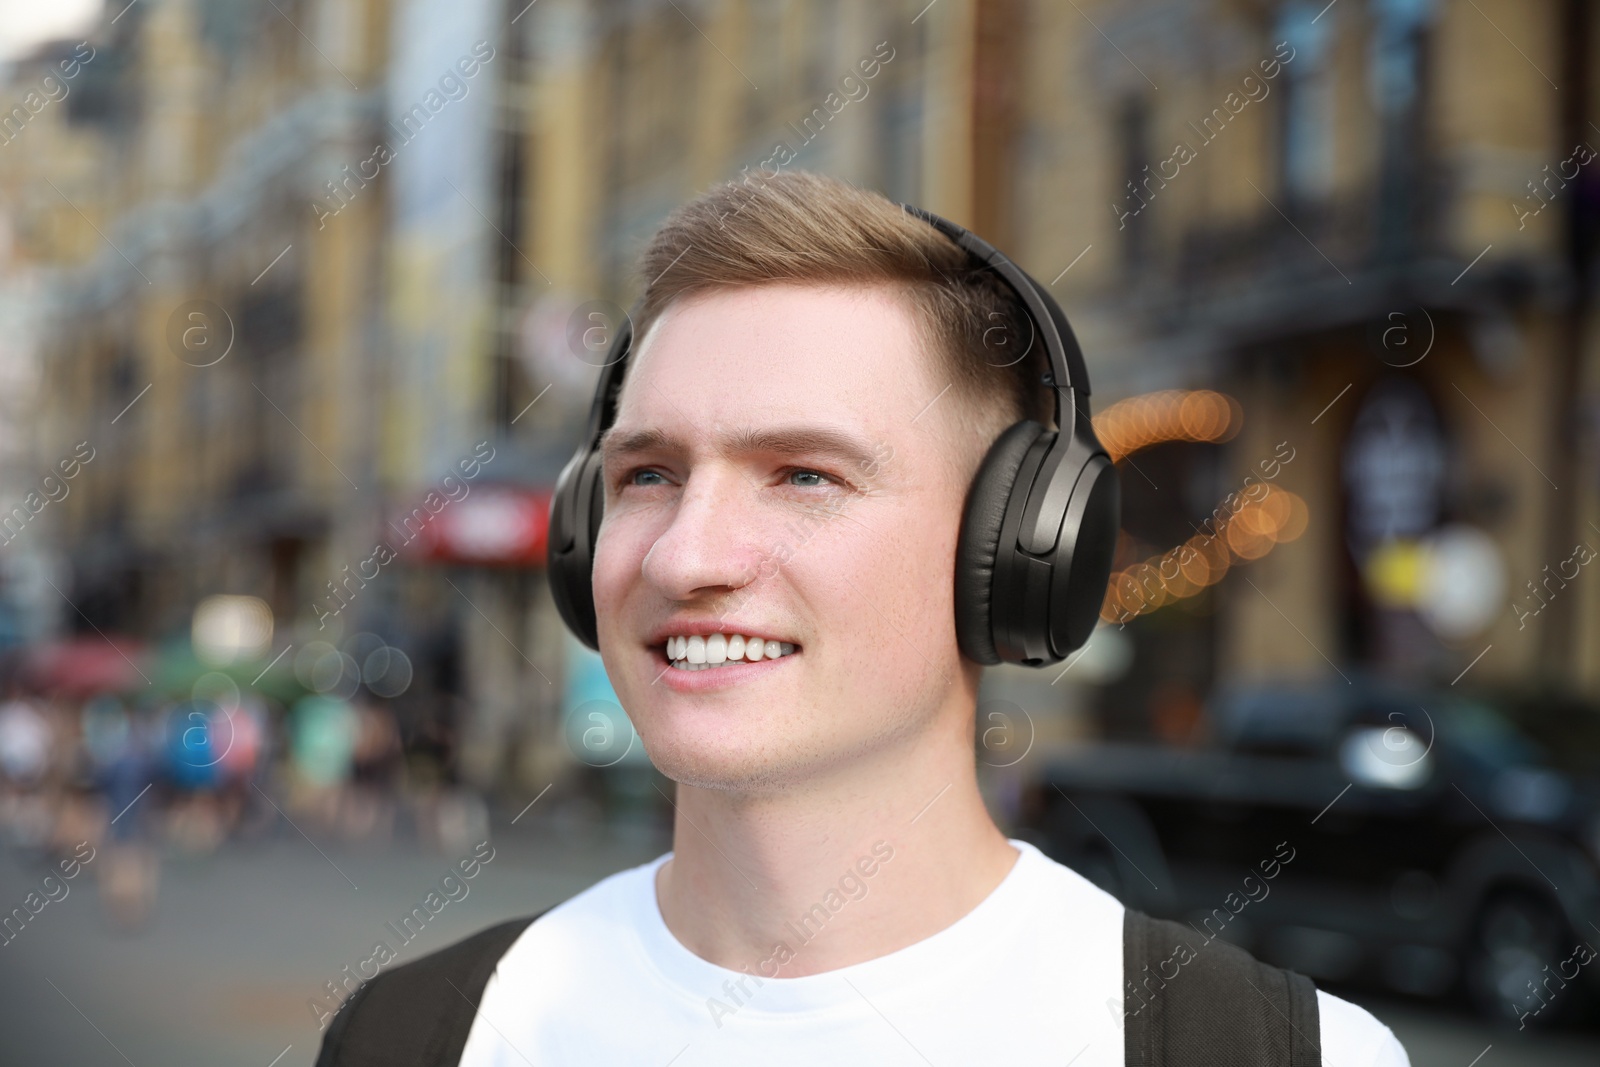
{"points": [[291, 263], [36, 140], [268, 333], [1373, 224]]}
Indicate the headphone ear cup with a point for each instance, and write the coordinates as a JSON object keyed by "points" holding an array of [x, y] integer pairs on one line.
{"points": [[979, 541], [1094, 519], [576, 508]]}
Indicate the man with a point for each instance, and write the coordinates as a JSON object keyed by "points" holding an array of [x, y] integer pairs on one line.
{"points": [[805, 406]]}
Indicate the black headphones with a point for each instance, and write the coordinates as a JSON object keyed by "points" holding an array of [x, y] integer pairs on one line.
{"points": [[1038, 530]]}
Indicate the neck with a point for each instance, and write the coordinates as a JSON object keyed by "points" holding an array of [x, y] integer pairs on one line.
{"points": [[843, 871]]}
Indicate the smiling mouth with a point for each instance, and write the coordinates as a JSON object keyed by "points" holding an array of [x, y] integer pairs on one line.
{"points": [[700, 653]]}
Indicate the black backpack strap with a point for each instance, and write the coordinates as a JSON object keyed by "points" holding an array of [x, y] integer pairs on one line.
{"points": [[410, 1016], [1189, 1002]]}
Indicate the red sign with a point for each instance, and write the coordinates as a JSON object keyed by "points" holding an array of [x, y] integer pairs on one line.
{"points": [[494, 525]]}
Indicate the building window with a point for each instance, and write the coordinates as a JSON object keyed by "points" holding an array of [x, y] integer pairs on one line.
{"points": [[1397, 47], [1306, 159], [1397, 84]]}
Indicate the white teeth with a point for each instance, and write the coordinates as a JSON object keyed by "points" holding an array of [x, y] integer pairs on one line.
{"points": [[698, 652]]}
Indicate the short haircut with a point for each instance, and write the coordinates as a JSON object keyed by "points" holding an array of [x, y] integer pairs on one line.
{"points": [[803, 227]]}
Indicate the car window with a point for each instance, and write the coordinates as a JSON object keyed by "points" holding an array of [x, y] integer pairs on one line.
{"points": [[1278, 720], [1483, 737]]}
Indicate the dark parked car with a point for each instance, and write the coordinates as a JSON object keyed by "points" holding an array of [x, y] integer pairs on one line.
{"points": [[1361, 833]]}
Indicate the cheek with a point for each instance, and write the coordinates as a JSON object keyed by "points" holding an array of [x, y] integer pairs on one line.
{"points": [[615, 570], [605, 558], [899, 601]]}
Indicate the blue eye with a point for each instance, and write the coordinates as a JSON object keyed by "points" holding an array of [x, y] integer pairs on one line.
{"points": [[630, 480], [810, 473]]}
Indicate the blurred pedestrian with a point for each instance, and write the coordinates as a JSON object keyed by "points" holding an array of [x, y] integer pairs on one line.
{"points": [[26, 743], [125, 748], [323, 733], [369, 809]]}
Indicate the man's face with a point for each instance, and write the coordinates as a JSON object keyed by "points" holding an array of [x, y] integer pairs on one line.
{"points": [[849, 556]]}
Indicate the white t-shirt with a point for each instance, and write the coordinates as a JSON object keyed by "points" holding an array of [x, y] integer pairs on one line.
{"points": [[1032, 975]]}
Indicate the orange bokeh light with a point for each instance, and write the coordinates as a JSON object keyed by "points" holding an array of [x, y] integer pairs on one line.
{"points": [[1250, 532]]}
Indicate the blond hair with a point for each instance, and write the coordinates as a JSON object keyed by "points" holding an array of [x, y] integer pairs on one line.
{"points": [[805, 227]]}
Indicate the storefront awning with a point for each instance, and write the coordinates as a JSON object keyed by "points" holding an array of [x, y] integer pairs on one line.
{"points": [[494, 525]]}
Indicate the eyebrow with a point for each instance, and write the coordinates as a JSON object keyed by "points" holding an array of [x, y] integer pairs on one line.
{"points": [[617, 443]]}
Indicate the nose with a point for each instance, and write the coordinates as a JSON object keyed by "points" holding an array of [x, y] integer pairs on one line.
{"points": [[715, 539]]}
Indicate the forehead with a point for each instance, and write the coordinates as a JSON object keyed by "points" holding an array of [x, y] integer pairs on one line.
{"points": [[790, 355]]}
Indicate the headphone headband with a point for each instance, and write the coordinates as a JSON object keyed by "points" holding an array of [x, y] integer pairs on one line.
{"points": [[1049, 321]]}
